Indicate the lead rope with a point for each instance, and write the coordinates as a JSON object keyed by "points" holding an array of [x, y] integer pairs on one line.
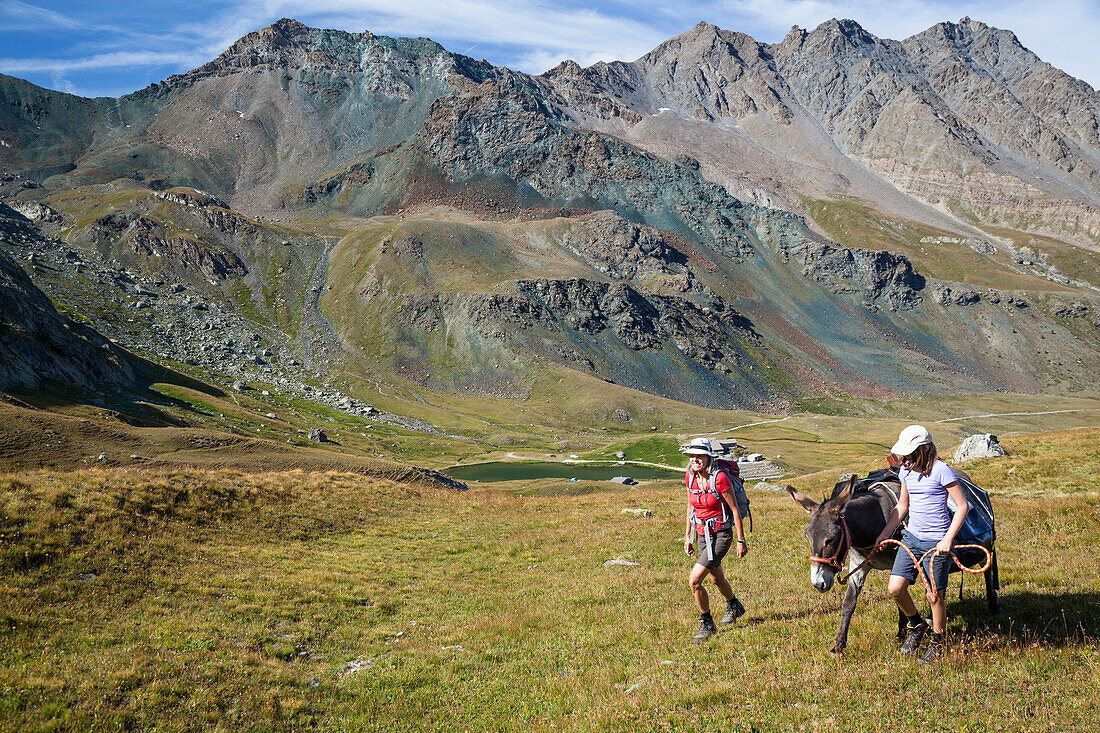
{"points": [[919, 564]]}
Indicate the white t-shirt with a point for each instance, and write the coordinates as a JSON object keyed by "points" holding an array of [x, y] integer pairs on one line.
{"points": [[928, 514]]}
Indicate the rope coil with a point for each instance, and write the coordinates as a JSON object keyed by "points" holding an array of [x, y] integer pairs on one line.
{"points": [[919, 564]]}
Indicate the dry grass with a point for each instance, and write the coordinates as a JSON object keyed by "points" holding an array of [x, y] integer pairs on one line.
{"points": [[216, 600]]}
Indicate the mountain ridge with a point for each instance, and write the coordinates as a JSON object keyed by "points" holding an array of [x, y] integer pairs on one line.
{"points": [[707, 250]]}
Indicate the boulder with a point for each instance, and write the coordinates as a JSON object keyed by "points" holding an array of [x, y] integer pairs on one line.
{"points": [[317, 435], [983, 445]]}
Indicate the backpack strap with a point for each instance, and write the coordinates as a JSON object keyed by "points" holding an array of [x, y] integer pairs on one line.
{"points": [[733, 487], [709, 524], [713, 481]]}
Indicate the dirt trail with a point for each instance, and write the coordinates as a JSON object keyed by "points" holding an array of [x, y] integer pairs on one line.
{"points": [[1014, 414]]}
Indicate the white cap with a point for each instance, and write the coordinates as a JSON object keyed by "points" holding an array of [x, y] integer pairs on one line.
{"points": [[910, 438], [699, 447]]}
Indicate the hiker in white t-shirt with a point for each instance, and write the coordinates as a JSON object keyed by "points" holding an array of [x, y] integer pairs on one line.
{"points": [[926, 482]]}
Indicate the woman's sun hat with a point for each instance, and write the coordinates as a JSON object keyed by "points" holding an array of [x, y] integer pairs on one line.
{"points": [[699, 447], [910, 438]]}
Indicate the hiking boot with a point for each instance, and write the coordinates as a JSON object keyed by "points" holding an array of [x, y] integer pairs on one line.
{"points": [[936, 649], [913, 637], [734, 611], [706, 630]]}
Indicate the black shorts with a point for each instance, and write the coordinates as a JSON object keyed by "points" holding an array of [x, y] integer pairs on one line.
{"points": [[721, 540]]}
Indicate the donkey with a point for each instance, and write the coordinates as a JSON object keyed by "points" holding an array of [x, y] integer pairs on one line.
{"points": [[848, 525]]}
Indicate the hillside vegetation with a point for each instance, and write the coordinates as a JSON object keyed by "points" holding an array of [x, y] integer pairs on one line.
{"points": [[199, 599]]}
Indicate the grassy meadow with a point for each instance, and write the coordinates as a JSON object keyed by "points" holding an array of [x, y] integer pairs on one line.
{"points": [[149, 599]]}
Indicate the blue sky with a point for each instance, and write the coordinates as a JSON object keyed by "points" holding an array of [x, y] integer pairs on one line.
{"points": [[96, 48]]}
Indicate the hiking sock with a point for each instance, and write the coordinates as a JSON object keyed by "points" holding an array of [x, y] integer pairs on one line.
{"points": [[914, 620], [734, 611]]}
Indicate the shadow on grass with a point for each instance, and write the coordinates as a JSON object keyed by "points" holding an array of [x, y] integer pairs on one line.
{"points": [[138, 406], [1056, 619]]}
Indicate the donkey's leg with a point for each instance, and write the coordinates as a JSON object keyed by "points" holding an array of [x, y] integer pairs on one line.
{"points": [[848, 607], [992, 584]]}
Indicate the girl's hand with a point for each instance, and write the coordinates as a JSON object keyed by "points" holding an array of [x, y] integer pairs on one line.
{"points": [[689, 548], [943, 547]]}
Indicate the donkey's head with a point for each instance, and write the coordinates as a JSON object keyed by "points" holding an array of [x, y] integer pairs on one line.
{"points": [[826, 532]]}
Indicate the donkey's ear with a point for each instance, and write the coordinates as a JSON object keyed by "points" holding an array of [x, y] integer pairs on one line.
{"points": [[803, 501], [845, 493]]}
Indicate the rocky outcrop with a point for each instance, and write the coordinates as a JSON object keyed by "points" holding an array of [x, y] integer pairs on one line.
{"points": [[39, 213], [12, 184], [623, 250], [881, 278], [956, 295], [1072, 310], [190, 253], [588, 308], [147, 237]]}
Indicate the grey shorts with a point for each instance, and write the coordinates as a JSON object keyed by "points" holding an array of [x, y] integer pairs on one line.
{"points": [[721, 540], [903, 564]]}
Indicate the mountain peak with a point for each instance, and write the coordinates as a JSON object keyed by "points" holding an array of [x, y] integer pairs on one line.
{"points": [[288, 27], [968, 32], [702, 28], [848, 28]]}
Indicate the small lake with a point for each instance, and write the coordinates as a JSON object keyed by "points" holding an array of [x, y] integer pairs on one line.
{"points": [[527, 470]]}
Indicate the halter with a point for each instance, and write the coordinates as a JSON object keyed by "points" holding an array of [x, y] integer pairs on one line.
{"points": [[837, 560], [841, 554]]}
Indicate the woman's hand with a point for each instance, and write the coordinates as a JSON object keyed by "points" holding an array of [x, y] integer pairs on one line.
{"points": [[689, 548], [943, 547], [742, 548]]}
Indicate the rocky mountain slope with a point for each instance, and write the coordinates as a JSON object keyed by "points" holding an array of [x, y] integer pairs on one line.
{"points": [[38, 345], [381, 211], [961, 118]]}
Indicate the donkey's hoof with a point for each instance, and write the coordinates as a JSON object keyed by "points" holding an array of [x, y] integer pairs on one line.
{"points": [[836, 653]]}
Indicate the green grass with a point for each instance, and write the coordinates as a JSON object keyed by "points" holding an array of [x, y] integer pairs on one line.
{"points": [[220, 600], [856, 225], [655, 449]]}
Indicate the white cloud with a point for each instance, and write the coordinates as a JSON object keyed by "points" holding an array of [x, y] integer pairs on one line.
{"points": [[112, 60], [25, 16], [527, 29]]}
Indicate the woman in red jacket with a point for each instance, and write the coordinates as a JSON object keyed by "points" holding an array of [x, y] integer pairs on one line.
{"points": [[713, 517]]}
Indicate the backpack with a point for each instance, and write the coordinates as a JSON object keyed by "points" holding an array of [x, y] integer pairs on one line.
{"points": [[979, 527], [733, 473]]}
